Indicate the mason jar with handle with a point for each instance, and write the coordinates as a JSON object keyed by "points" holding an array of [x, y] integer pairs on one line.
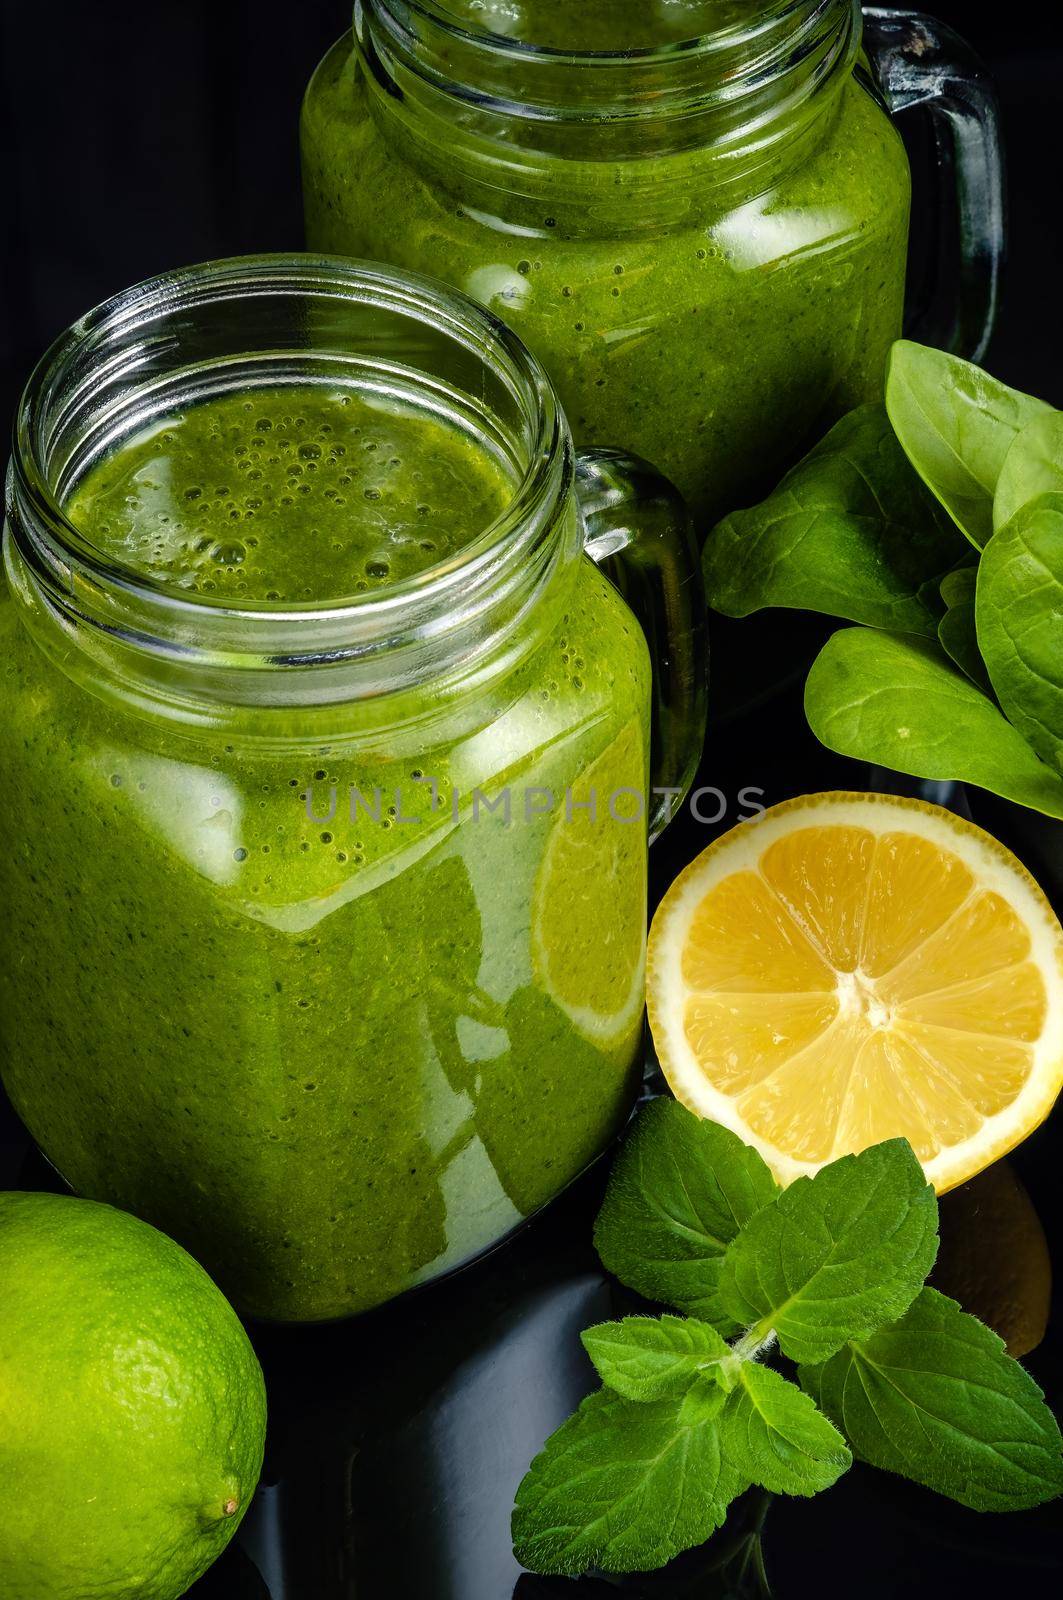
{"points": [[695, 212], [324, 759]]}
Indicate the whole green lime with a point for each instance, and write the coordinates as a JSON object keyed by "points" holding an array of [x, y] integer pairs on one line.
{"points": [[132, 1407]]}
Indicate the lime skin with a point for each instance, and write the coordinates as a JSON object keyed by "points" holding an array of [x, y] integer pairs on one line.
{"points": [[132, 1407]]}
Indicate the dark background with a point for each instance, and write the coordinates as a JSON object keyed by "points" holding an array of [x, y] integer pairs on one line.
{"points": [[139, 136], [135, 137]]}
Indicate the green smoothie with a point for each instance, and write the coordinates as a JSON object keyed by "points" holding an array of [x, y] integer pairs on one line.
{"points": [[312, 1007], [292, 494], [711, 311]]}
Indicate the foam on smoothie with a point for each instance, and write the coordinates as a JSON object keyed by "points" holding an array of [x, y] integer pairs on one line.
{"points": [[292, 494]]}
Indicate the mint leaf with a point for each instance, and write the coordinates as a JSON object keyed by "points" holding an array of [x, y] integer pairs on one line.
{"points": [[653, 1358], [956, 425], [679, 1192], [899, 703], [836, 1255], [623, 1487], [1019, 610], [937, 1399], [703, 1401], [850, 531], [774, 1435]]}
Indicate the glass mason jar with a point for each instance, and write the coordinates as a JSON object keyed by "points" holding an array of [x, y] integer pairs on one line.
{"points": [[324, 923], [695, 212]]}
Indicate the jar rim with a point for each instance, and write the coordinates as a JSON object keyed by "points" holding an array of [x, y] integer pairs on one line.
{"points": [[452, 599], [438, 12], [742, 93]]}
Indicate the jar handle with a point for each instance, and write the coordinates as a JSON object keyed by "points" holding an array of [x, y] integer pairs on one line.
{"points": [[638, 531], [918, 61]]}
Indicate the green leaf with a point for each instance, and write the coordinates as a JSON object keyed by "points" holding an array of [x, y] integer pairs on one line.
{"points": [[958, 636], [1033, 466], [774, 1435], [850, 531], [623, 1487], [703, 1401], [956, 629], [956, 425], [653, 1358], [835, 1255], [900, 704], [958, 586], [1019, 610], [679, 1192], [937, 1399]]}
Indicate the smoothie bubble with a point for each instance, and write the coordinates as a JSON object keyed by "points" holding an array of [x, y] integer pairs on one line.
{"points": [[158, 502]]}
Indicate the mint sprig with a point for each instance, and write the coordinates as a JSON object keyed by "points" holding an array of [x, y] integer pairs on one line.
{"points": [[830, 1272]]}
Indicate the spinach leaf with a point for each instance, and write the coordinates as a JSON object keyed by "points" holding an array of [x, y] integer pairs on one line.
{"points": [[850, 531], [900, 703], [1019, 610], [958, 637], [956, 425], [1033, 466], [958, 586]]}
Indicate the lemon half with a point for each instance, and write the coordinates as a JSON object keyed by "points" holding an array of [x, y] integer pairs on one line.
{"points": [[852, 967]]}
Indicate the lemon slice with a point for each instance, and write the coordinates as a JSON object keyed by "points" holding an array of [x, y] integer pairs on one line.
{"points": [[848, 968], [589, 910]]}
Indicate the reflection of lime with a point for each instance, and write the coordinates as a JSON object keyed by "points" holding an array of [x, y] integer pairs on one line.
{"points": [[132, 1408], [589, 911]]}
